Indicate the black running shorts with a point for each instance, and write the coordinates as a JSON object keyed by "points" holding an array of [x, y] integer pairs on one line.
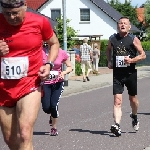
{"points": [[129, 79]]}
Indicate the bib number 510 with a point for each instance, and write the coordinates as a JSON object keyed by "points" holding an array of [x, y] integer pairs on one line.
{"points": [[13, 70]]}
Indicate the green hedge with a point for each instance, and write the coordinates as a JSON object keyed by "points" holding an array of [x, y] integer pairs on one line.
{"points": [[146, 45], [103, 59], [78, 70]]}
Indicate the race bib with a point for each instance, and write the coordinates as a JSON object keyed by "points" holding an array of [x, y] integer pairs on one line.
{"points": [[53, 75], [14, 67], [120, 62]]}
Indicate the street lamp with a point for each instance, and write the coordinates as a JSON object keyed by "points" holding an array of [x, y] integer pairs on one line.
{"points": [[64, 38]]}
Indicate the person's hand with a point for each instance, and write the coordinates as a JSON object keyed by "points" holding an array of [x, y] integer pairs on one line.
{"points": [[62, 75], [127, 60], [4, 49], [44, 72], [110, 65]]}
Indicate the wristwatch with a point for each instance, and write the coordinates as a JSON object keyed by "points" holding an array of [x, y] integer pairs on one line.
{"points": [[51, 65]]}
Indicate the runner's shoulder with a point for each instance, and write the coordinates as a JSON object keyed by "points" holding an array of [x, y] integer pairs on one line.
{"points": [[32, 17]]}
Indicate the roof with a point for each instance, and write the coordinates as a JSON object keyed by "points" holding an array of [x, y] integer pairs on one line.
{"points": [[111, 12], [36, 4]]}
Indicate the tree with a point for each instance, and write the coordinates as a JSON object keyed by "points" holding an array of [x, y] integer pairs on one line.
{"points": [[70, 33], [147, 19], [126, 9], [147, 12]]}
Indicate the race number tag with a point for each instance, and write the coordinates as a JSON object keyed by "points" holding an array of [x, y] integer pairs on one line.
{"points": [[53, 75], [14, 67], [120, 61]]}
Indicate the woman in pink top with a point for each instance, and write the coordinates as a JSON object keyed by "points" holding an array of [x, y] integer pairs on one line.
{"points": [[54, 86]]}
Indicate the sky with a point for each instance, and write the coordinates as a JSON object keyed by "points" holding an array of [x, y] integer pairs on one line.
{"points": [[135, 2]]}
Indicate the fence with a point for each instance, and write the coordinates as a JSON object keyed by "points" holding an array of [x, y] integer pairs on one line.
{"points": [[145, 62]]}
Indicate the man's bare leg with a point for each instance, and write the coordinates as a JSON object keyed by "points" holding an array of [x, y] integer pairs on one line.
{"points": [[117, 114], [27, 110], [117, 108], [134, 103], [83, 70], [8, 123], [88, 72]]}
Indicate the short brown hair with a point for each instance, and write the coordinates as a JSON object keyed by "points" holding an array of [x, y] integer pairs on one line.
{"points": [[123, 17], [12, 3]]}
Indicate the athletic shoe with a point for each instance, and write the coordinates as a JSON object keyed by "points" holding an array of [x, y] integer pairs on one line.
{"points": [[54, 132], [135, 122], [87, 78], [115, 129], [84, 80]]}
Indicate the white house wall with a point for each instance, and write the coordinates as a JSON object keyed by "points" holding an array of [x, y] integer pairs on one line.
{"points": [[100, 23]]}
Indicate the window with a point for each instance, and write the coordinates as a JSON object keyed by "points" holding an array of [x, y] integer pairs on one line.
{"points": [[55, 13], [84, 14]]}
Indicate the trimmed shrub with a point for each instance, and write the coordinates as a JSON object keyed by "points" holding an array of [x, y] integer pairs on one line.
{"points": [[146, 45], [78, 70], [103, 59]]}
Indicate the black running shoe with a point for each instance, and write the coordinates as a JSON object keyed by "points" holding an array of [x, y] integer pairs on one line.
{"points": [[115, 129], [87, 78], [135, 122]]}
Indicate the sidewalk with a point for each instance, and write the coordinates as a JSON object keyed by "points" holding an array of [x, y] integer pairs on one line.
{"points": [[105, 78]]}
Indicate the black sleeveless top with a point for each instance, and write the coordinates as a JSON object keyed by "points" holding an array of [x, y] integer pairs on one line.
{"points": [[123, 46]]}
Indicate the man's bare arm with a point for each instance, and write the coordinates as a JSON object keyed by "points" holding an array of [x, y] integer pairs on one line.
{"points": [[140, 50], [54, 47]]}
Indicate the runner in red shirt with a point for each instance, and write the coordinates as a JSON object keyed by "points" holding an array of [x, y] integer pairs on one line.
{"points": [[21, 38]]}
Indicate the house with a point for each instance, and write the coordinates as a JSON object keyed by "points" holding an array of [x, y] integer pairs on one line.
{"points": [[88, 17], [53, 23]]}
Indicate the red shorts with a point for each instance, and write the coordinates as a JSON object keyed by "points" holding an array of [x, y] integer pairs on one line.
{"points": [[12, 90]]}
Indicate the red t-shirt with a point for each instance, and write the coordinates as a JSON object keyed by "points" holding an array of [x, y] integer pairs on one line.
{"points": [[25, 40]]}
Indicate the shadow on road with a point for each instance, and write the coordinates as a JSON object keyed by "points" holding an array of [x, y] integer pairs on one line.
{"points": [[132, 132], [41, 133], [144, 113], [140, 113], [95, 132]]}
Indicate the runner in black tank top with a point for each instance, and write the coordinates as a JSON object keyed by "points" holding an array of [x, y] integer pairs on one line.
{"points": [[122, 57]]}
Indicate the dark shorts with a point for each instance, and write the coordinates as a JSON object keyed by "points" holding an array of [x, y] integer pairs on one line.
{"points": [[128, 79]]}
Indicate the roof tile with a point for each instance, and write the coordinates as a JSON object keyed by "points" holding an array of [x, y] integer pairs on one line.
{"points": [[35, 4]]}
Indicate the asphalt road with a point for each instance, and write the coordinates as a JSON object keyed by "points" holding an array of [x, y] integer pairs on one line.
{"points": [[85, 120]]}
